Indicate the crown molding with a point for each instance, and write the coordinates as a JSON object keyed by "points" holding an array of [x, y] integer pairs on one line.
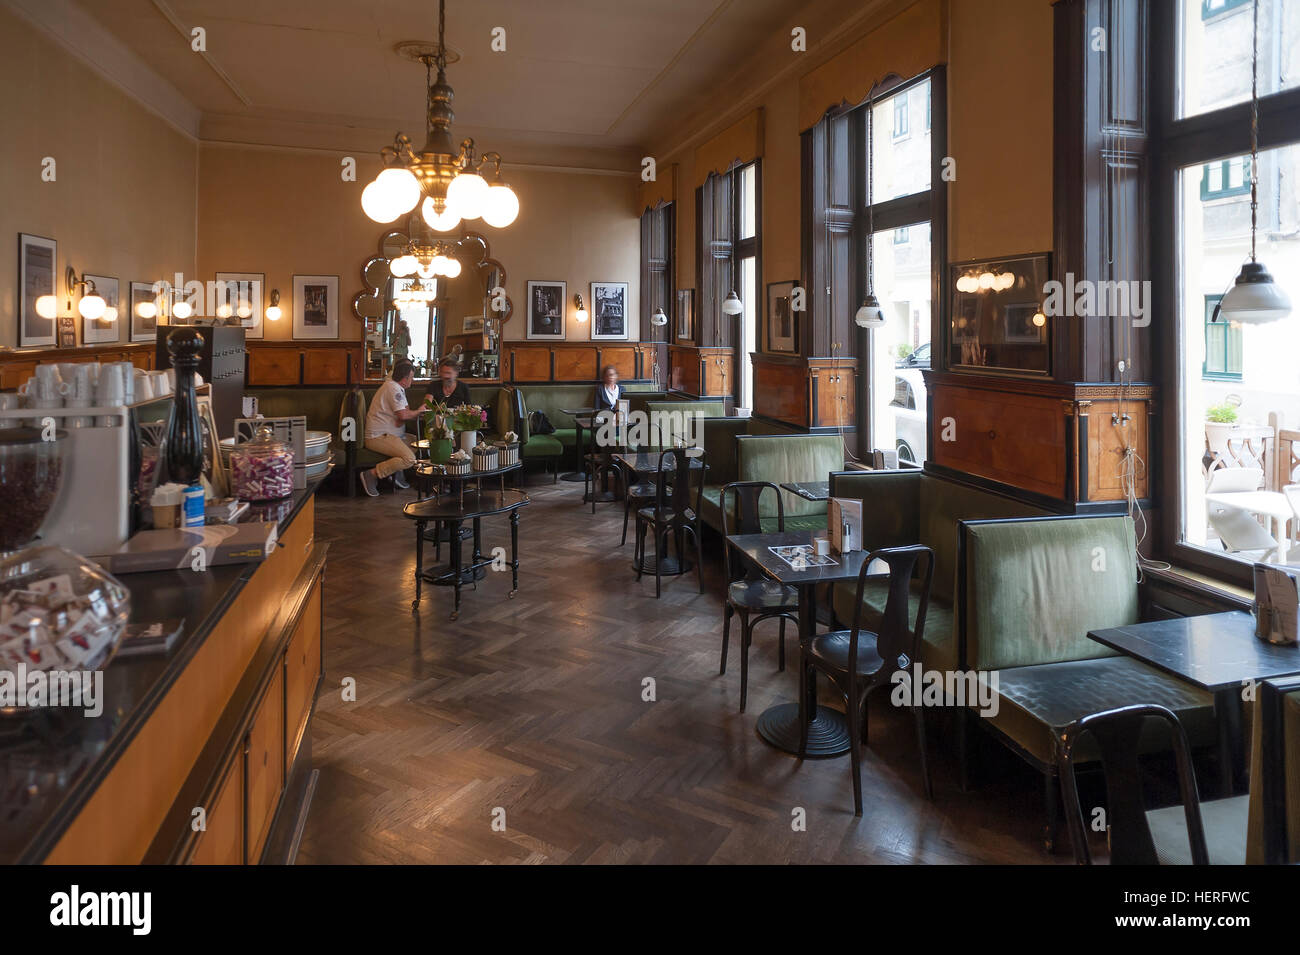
{"points": [[94, 46]]}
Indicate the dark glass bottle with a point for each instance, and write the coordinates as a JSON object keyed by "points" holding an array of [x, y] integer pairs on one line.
{"points": [[184, 445]]}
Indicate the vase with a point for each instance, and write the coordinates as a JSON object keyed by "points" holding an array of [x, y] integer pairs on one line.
{"points": [[439, 450], [467, 441]]}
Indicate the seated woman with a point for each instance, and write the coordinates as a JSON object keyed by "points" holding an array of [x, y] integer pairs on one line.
{"points": [[609, 391], [448, 389]]}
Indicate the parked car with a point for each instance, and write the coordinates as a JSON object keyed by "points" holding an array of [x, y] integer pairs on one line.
{"points": [[909, 414], [919, 358]]}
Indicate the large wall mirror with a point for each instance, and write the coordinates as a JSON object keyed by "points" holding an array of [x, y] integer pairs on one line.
{"points": [[461, 316]]}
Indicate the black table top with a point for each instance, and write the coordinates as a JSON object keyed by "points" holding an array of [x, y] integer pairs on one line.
{"points": [[50, 763], [755, 549], [430, 469], [810, 490], [475, 504], [1215, 651], [643, 461]]}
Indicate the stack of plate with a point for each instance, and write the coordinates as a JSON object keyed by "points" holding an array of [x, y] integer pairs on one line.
{"points": [[317, 445]]}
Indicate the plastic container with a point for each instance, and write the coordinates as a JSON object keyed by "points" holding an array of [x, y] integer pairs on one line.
{"points": [[31, 473], [262, 469]]}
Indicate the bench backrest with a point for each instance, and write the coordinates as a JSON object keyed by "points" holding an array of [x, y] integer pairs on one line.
{"points": [[788, 457], [1030, 589]]}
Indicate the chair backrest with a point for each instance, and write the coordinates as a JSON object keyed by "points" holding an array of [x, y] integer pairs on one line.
{"points": [[1273, 824], [1117, 734], [896, 641], [353, 406], [685, 479], [520, 415], [747, 518]]}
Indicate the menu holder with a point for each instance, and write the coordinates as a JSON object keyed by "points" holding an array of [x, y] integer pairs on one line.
{"points": [[1277, 604], [844, 524]]}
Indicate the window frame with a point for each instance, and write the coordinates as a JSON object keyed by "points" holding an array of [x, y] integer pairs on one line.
{"points": [[1209, 13], [1211, 301], [1225, 192], [1178, 143]]}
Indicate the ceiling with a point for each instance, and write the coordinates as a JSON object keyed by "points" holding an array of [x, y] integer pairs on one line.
{"points": [[581, 81]]}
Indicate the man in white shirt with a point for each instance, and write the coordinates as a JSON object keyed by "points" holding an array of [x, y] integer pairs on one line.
{"points": [[386, 429]]}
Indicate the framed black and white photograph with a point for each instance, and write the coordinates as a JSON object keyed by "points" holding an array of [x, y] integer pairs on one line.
{"points": [[37, 270], [106, 328], [782, 323], [67, 331], [685, 314], [609, 318], [144, 327], [546, 301], [315, 306], [243, 293]]}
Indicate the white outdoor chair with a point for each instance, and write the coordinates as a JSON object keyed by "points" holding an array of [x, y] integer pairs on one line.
{"points": [[1233, 506]]}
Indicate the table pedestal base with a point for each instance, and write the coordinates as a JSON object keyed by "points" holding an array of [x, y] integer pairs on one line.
{"points": [[828, 733], [668, 566]]}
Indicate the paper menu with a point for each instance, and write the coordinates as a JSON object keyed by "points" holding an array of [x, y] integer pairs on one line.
{"points": [[844, 523], [1277, 603]]}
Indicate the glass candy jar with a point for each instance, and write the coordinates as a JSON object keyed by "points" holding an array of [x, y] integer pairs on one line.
{"points": [[262, 469]]}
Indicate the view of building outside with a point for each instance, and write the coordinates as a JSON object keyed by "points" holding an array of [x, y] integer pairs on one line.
{"points": [[1241, 383], [901, 274]]}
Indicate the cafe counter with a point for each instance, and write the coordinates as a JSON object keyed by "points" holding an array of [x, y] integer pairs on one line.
{"points": [[199, 756]]}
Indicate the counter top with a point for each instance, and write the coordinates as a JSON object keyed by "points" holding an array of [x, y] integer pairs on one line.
{"points": [[51, 762]]}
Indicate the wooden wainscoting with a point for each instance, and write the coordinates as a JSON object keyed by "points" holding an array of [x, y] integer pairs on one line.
{"points": [[18, 365], [303, 363], [529, 362], [810, 393], [701, 372]]}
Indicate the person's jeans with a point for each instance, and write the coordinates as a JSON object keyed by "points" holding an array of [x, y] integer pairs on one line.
{"points": [[400, 455]]}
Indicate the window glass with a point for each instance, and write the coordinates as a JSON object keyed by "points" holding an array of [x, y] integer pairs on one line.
{"points": [[1215, 38], [901, 348], [747, 203], [902, 163], [1240, 384], [748, 327]]}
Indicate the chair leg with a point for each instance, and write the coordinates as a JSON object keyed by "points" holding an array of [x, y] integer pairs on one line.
{"points": [[727, 611], [853, 711], [780, 650], [744, 659], [638, 547], [1052, 810], [627, 509], [864, 722], [658, 568], [920, 745], [699, 557], [964, 749]]}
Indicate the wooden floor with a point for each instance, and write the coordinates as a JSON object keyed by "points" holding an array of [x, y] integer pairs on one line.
{"points": [[534, 706]]}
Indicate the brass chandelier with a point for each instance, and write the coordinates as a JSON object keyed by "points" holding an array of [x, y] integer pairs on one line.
{"points": [[448, 180]]}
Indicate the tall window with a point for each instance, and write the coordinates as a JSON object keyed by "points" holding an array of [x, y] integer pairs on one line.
{"points": [[1236, 407], [728, 245], [657, 271], [745, 182]]}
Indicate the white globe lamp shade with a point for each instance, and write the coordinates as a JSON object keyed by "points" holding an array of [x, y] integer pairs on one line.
{"points": [[403, 265], [110, 314], [659, 318], [987, 280], [732, 305], [376, 205], [443, 221], [1255, 298], [224, 310], [1006, 280], [47, 306], [146, 309], [182, 309], [501, 206], [1039, 319], [400, 188], [452, 268], [466, 195], [91, 306], [273, 313], [244, 310], [869, 314]]}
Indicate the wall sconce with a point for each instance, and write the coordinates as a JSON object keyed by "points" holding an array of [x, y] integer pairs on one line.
{"points": [[581, 314], [273, 311], [92, 305]]}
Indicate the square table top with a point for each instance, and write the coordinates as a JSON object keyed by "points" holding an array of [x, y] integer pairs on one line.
{"points": [[645, 461], [755, 549], [1214, 651], [809, 490]]}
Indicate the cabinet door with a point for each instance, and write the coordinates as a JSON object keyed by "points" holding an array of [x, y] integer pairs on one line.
{"points": [[273, 366], [265, 765], [301, 673], [324, 366], [222, 842]]}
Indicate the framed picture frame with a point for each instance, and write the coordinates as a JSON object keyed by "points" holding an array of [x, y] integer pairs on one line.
{"points": [[782, 322], [685, 330], [38, 260], [610, 318], [471, 323], [107, 328], [547, 304], [991, 326], [143, 327], [67, 331], [315, 306], [238, 289]]}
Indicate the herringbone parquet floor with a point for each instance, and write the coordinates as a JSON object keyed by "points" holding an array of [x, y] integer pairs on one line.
{"points": [[533, 708]]}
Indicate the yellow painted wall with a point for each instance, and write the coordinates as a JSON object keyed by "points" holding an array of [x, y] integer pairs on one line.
{"points": [[284, 212], [122, 203]]}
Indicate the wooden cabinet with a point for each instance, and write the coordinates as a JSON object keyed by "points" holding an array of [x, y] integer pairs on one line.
{"points": [[222, 841], [302, 671], [324, 366], [529, 362], [264, 766], [701, 372], [300, 363]]}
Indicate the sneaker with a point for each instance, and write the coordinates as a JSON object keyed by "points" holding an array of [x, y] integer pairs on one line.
{"points": [[370, 482], [399, 478]]}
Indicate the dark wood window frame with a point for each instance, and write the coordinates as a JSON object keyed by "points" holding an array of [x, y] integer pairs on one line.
{"points": [[1179, 143], [658, 275]]}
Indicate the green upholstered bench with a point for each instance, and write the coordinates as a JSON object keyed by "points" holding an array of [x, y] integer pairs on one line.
{"points": [[1028, 592], [673, 421], [778, 458]]}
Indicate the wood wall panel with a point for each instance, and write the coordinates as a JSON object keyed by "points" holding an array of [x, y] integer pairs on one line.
{"points": [[274, 366], [781, 389], [19, 365], [622, 358], [329, 366], [528, 362], [575, 364], [1108, 440], [832, 395]]}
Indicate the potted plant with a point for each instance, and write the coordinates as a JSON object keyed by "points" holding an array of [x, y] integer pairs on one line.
{"points": [[437, 429], [464, 420], [1220, 422]]}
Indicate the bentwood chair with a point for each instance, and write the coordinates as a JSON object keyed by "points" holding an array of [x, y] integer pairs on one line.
{"points": [[858, 661], [751, 593], [675, 512], [637, 493]]}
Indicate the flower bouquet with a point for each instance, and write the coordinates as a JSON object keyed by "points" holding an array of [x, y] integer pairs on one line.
{"points": [[465, 420]]}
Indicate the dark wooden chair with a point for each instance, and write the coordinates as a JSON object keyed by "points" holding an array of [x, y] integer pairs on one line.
{"points": [[752, 594], [600, 466], [858, 661], [675, 512], [1116, 734]]}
